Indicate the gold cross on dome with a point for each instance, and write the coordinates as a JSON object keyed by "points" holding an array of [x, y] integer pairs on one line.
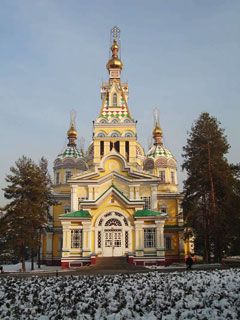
{"points": [[115, 31]]}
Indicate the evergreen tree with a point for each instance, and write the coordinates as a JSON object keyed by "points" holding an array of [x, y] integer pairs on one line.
{"points": [[211, 201], [29, 192]]}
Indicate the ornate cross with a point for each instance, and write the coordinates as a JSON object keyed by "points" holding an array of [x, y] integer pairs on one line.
{"points": [[115, 31]]}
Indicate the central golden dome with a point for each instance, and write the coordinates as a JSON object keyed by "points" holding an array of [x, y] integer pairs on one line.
{"points": [[114, 62]]}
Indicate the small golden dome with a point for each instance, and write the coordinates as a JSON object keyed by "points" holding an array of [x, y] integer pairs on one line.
{"points": [[114, 45], [114, 63], [72, 132], [157, 131]]}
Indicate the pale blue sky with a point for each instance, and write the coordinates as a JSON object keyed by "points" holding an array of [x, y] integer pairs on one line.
{"points": [[180, 56]]}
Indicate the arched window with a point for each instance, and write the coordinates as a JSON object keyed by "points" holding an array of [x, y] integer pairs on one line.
{"points": [[129, 134], [114, 100], [115, 134], [101, 134], [113, 222], [103, 121]]}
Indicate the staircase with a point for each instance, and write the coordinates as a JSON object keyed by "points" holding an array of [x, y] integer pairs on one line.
{"points": [[114, 263]]}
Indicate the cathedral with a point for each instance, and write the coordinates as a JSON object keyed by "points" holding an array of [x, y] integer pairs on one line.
{"points": [[115, 199]]}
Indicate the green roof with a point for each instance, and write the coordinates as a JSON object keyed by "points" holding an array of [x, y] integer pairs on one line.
{"points": [[77, 214], [147, 213]]}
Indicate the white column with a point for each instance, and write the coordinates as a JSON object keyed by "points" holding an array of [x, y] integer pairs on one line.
{"points": [[66, 244], [86, 237], [136, 187], [160, 238], [131, 192], [90, 193], [74, 198], [154, 197], [139, 238], [95, 192]]}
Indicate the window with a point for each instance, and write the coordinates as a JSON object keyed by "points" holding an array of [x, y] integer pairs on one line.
{"points": [[147, 201], [68, 175], [162, 176], [127, 150], [113, 222], [172, 177], [66, 209], [129, 134], [115, 134], [101, 135], [101, 148], [150, 238], [114, 100], [116, 146], [76, 238], [57, 178], [163, 209], [99, 239], [126, 239], [168, 243]]}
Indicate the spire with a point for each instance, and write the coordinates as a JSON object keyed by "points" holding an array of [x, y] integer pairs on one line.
{"points": [[72, 132], [157, 131], [115, 65]]}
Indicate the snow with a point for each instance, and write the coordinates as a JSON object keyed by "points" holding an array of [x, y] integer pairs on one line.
{"points": [[154, 295], [17, 267]]}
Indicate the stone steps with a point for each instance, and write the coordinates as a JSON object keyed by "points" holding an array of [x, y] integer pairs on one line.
{"points": [[114, 263]]}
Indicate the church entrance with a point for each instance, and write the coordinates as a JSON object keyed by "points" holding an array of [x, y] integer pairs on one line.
{"points": [[112, 235], [112, 246]]}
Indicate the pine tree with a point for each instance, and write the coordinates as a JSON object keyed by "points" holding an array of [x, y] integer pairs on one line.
{"points": [[210, 202], [29, 192]]}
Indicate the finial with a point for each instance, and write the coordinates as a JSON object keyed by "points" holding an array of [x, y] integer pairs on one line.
{"points": [[114, 62], [72, 132], [157, 131], [115, 34]]}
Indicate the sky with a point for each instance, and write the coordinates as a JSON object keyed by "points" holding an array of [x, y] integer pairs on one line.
{"points": [[182, 57]]}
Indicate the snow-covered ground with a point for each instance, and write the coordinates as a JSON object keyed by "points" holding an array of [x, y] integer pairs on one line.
{"points": [[186, 295], [17, 267]]}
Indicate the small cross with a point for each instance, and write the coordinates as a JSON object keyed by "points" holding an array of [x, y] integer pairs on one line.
{"points": [[115, 33]]}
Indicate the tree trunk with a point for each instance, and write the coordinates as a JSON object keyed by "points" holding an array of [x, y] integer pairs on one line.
{"points": [[206, 235], [213, 210], [22, 257], [39, 249], [32, 259]]}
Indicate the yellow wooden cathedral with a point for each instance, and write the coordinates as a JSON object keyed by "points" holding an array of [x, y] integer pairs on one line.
{"points": [[116, 200]]}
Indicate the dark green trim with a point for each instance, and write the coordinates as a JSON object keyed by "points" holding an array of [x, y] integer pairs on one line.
{"points": [[77, 214], [147, 213]]}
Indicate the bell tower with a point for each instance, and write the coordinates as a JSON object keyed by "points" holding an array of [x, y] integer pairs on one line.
{"points": [[114, 128]]}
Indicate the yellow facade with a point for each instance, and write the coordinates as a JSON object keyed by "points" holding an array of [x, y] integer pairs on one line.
{"points": [[116, 200]]}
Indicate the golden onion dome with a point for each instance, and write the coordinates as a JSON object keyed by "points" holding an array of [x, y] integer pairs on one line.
{"points": [[157, 131], [72, 132], [114, 63]]}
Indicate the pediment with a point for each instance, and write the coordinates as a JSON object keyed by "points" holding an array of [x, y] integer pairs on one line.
{"points": [[116, 196]]}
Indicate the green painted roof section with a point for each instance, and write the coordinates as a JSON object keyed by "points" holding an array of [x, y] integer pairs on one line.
{"points": [[70, 152], [77, 214], [147, 213]]}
